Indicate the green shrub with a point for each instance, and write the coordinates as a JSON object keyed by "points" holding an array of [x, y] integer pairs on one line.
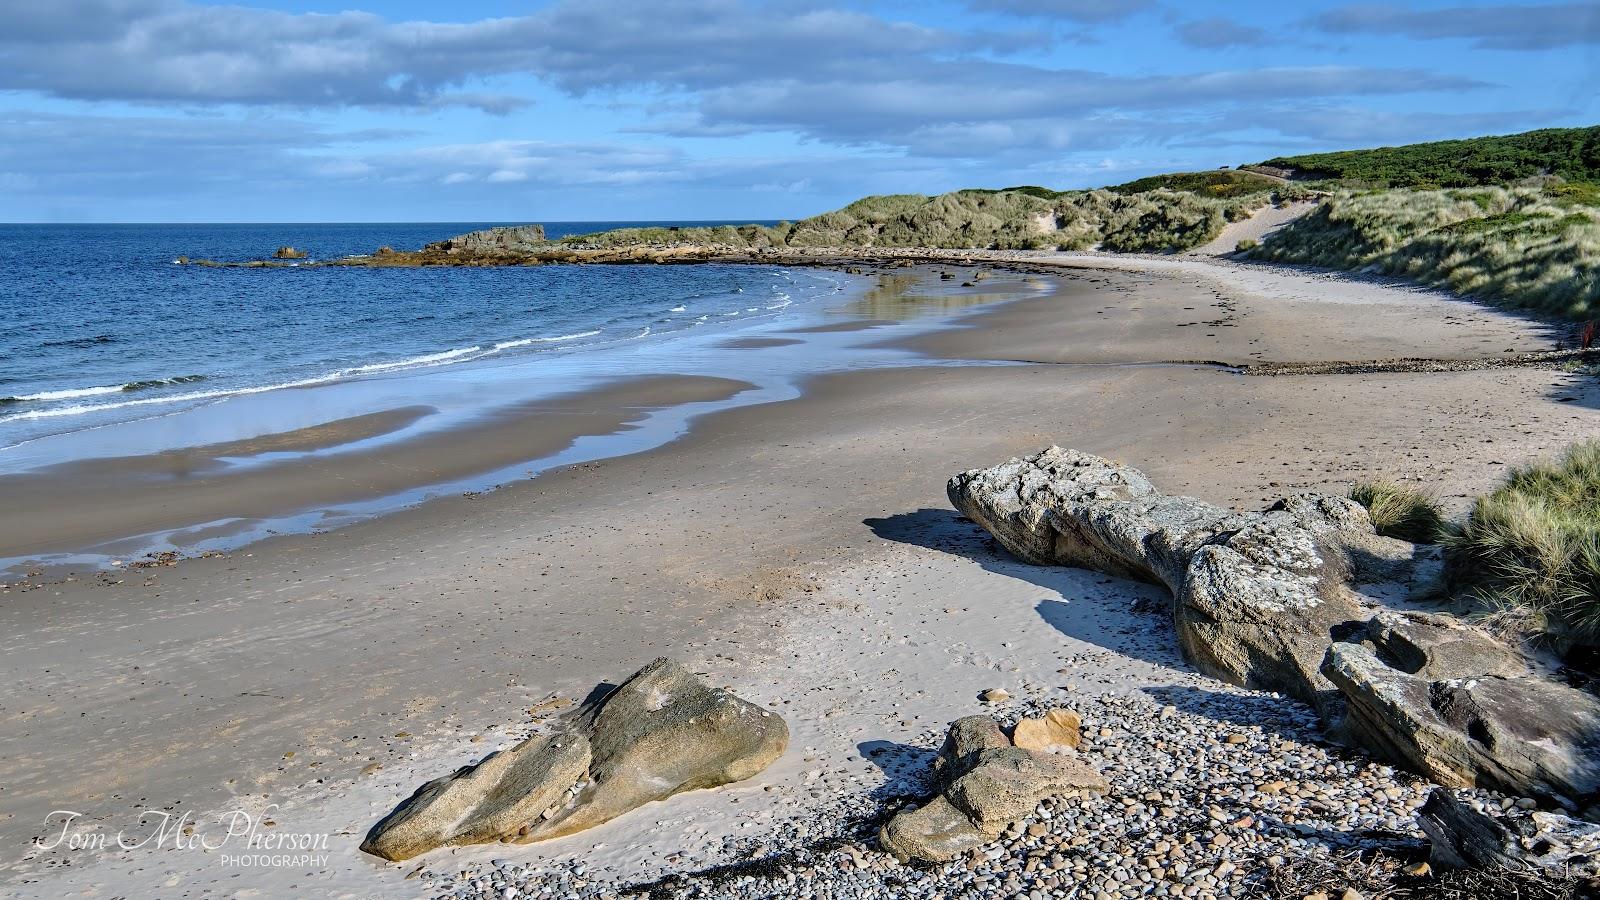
{"points": [[1399, 511], [1570, 153], [1533, 545], [1246, 245]]}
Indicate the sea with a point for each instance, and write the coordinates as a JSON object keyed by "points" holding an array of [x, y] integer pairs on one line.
{"points": [[103, 326]]}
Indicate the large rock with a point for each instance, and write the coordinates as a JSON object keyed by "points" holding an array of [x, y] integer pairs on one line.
{"points": [[985, 784], [662, 732], [1258, 596], [1523, 735], [1463, 837], [500, 798], [510, 239]]}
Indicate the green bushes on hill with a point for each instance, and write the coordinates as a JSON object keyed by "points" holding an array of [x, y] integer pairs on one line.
{"points": [[1218, 183], [1572, 154]]}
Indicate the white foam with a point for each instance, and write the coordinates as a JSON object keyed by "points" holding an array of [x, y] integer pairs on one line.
{"points": [[523, 342], [71, 393]]}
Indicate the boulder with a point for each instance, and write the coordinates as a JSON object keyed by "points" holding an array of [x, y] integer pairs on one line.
{"points": [[1526, 736], [985, 785], [1056, 728], [288, 253], [1462, 837], [1258, 596], [498, 799], [662, 732]]}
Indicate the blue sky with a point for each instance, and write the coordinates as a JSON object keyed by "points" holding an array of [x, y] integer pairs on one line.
{"points": [[175, 110]]}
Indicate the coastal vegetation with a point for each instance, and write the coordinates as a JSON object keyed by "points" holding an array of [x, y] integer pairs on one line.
{"points": [[1157, 220], [1401, 511], [1531, 247], [1532, 546], [1571, 154]]}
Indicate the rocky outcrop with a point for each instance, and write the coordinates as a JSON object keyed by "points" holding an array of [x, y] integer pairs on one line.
{"points": [[1258, 597], [516, 239], [288, 253], [1527, 736], [1515, 838], [1269, 600], [986, 784], [662, 732]]}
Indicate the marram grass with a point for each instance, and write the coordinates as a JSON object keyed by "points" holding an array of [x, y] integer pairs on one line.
{"points": [[1536, 248], [1533, 545], [1400, 511]]}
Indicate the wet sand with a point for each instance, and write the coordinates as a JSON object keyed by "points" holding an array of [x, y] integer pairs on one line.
{"points": [[98, 504], [282, 673]]}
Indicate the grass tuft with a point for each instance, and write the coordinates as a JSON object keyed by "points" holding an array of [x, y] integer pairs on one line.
{"points": [[1532, 547], [1398, 511]]}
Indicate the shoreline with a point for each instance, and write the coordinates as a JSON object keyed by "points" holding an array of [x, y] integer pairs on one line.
{"points": [[725, 547]]}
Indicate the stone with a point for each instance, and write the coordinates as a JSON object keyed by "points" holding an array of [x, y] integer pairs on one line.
{"points": [[1527, 736], [995, 695], [288, 253], [1518, 839], [1006, 784], [663, 732], [933, 832], [1438, 647], [986, 786], [966, 738], [1056, 728], [496, 799], [660, 733], [1258, 597]]}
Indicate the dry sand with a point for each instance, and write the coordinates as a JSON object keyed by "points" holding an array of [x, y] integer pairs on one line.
{"points": [[802, 553]]}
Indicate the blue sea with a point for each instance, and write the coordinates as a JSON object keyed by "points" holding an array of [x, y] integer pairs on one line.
{"points": [[102, 327]]}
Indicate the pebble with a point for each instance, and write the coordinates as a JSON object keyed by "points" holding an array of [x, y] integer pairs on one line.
{"points": [[1194, 812]]}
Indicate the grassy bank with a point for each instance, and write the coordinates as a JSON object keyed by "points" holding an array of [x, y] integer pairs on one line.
{"points": [[1013, 219], [1531, 247]]}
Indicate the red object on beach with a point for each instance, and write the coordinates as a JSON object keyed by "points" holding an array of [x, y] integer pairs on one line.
{"points": [[1588, 334]]}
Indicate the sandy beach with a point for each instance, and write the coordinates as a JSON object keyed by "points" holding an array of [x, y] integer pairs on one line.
{"points": [[801, 552]]}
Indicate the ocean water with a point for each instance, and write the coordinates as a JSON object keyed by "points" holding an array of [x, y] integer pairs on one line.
{"points": [[101, 326]]}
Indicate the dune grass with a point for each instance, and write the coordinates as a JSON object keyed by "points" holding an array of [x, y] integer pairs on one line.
{"points": [[1531, 247], [1533, 545], [1401, 511]]}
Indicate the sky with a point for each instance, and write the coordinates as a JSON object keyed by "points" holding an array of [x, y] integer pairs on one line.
{"points": [[573, 110]]}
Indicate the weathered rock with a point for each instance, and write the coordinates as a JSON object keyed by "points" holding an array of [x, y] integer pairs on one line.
{"points": [[1526, 736], [1439, 647], [967, 737], [1056, 728], [1515, 839], [1258, 596], [986, 785], [933, 832], [288, 253], [662, 732], [498, 799], [1006, 784], [494, 240]]}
